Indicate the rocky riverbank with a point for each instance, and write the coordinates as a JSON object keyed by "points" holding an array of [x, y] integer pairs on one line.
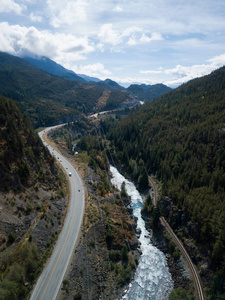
{"points": [[107, 255], [177, 265], [188, 232]]}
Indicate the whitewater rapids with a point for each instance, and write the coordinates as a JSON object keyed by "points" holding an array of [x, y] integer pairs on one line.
{"points": [[152, 278]]}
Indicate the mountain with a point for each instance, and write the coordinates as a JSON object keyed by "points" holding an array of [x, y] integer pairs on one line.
{"points": [[108, 84], [142, 92], [46, 98], [180, 137], [49, 99], [148, 93], [22, 151], [32, 202], [53, 68], [89, 78]]}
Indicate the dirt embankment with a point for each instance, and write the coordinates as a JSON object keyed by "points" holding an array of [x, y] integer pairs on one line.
{"points": [[99, 269], [107, 254], [35, 212]]}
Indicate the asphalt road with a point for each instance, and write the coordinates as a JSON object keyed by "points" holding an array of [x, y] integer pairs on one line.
{"points": [[50, 280]]}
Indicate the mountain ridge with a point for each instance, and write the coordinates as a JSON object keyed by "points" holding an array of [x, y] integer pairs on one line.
{"points": [[180, 138], [53, 68], [142, 91]]}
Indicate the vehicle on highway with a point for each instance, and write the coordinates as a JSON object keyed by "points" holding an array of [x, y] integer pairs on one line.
{"points": [[70, 174], [78, 190]]}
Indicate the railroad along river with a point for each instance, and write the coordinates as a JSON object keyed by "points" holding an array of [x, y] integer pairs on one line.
{"points": [[152, 278]]}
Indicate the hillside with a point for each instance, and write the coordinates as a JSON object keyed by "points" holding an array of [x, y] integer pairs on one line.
{"points": [[32, 202], [180, 138], [50, 99], [22, 152], [148, 93], [47, 99], [143, 92], [53, 68], [108, 84]]}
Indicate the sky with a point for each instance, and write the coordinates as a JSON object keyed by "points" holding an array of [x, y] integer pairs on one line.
{"points": [[135, 41]]}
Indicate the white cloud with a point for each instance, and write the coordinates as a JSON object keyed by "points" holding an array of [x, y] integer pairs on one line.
{"points": [[108, 35], [96, 70], [118, 9], [181, 74], [151, 72], [131, 36], [35, 18], [179, 35], [218, 60], [11, 6], [67, 12], [60, 47], [146, 39]]}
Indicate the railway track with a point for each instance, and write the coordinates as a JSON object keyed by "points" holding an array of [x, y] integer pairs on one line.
{"points": [[196, 279]]}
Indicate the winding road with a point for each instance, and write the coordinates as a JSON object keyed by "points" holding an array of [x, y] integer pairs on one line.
{"points": [[195, 276], [50, 280]]}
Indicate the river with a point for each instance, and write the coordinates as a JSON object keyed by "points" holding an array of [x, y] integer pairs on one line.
{"points": [[152, 278]]}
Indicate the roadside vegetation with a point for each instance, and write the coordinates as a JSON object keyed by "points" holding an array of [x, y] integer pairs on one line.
{"points": [[107, 224], [33, 194]]}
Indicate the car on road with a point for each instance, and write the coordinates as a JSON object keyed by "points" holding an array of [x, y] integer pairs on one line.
{"points": [[78, 190], [70, 174]]}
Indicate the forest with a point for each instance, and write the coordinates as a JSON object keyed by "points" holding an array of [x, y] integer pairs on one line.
{"points": [[32, 189], [48, 99], [22, 155], [180, 138]]}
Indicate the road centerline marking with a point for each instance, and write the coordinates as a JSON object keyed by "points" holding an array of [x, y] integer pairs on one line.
{"points": [[63, 245]]}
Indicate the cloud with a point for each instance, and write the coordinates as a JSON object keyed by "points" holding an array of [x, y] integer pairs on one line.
{"points": [[151, 72], [181, 74], [96, 70], [61, 47], [35, 18], [108, 35], [11, 6], [67, 12], [118, 9], [144, 38], [218, 60], [130, 36]]}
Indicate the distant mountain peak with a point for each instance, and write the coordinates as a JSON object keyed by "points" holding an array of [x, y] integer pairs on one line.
{"points": [[53, 68], [148, 92]]}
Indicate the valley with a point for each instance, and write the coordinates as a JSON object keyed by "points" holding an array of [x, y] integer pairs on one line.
{"points": [[177, 138]]}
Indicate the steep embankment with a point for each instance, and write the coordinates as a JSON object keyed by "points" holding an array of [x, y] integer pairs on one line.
{"points": [[32, 202], [181, 138]]}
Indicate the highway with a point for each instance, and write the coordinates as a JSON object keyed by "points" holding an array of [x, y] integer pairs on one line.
{"points": [[195, 276], [50, 280]]}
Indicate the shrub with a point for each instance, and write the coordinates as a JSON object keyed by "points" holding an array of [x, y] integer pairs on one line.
{"points": [[11, 238], [176, 255], [78, 296], [114, 255]]}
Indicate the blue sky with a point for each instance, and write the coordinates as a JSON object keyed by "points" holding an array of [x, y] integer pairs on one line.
{"points": [[148, 41]]}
